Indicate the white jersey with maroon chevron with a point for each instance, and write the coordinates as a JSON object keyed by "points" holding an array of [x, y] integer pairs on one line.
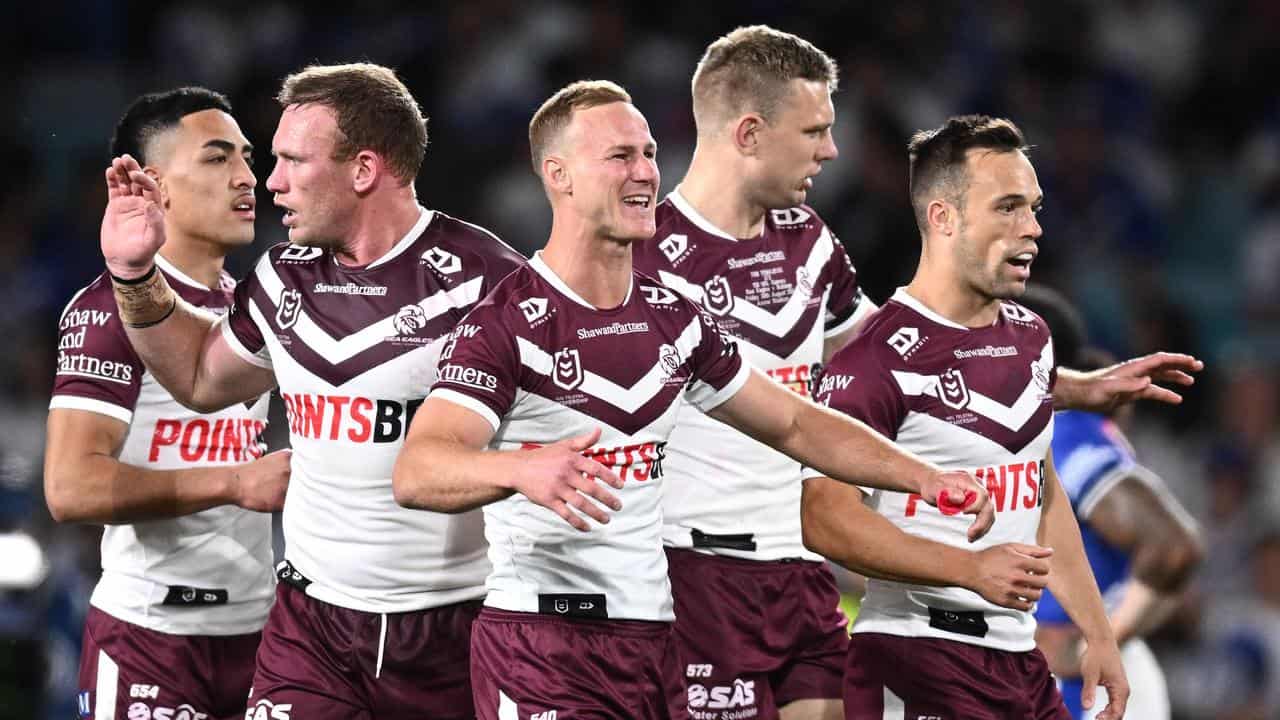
{"points": [[780, 295], [354, 353], [541, 365], [975, 399], [208, 573]]}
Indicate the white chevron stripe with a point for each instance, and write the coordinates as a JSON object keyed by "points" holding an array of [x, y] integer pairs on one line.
{"points": [[777, 323], [336, 351], [1012, 417], [627, 399]]}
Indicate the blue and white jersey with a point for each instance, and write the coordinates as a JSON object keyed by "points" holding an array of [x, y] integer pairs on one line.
{"points": [[1091, 456]]}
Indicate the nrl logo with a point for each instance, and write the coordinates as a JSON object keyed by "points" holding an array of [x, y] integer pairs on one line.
{"points": [[566, 371], [289, 309], [719, 299], [409, 320], [952, 390]]}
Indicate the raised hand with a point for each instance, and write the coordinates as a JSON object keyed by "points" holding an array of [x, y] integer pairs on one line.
{"points": [[954, 492], [260, 485], [1012, 575], [1104, 390], [133, 224], [560, 478]]}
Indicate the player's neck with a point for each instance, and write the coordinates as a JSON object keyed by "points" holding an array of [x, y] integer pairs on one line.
{"points": [[715, 190], [381, 220], [948, 296], [200, 260], [598, 270]]}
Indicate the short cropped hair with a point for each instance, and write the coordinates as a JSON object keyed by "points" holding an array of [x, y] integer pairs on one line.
{"points": [[938, 160], [750, 69], [374, 110], [154, 113], [555, 114]]}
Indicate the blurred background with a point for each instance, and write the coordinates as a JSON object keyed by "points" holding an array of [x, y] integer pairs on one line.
{"points": [[1157, 133]]}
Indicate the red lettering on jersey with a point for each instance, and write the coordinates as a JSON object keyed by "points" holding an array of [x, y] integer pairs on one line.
{"points": [[1033, 499], [995, 488], [795, 378], [359, 412], [641, 461], [337, 402], [166, 433], [191, 450], [313, 415], [1015, 470], [912, 499], [215, 437]]}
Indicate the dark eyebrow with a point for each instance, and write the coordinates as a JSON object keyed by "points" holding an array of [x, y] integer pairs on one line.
{"points": [[227, 146]]}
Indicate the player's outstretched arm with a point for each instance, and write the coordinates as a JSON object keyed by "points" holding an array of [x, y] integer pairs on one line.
{"points": [[445, 467], [847, 450], [1104, 390], [84, 482], [1073, 584], [837, 525], [180, 344]]}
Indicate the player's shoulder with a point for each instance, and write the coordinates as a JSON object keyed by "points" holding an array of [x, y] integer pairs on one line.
{"points": [[512, 294], [94, 304], [457, 240]]}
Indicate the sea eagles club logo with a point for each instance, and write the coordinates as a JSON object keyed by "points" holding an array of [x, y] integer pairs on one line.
{"points": [[567, 370], [952, 390], [289, 309], [719, 299], [409, 320]]}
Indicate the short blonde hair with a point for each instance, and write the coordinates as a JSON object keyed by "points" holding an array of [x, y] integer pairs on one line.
{"points": [[749, 70], [374, 110], [553, 117]]}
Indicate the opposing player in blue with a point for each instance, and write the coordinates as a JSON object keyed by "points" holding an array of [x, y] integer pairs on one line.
{"points": [[1140, 542]]}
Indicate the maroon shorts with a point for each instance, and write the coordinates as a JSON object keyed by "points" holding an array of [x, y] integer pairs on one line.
{"points": [[756, 635], [527, 666], [127, 671], [327, 662], [888, 676]]}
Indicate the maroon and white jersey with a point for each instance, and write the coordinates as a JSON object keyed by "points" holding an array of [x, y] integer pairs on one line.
{"points": [[208, 573], [541, 365], [974, 399], [780, 295], [354, 352]]}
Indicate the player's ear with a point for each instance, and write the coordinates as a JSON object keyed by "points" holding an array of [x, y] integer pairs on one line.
{"points": [[555, 173], [366, 169], [746, 133], [164, 190], [944, 218]]}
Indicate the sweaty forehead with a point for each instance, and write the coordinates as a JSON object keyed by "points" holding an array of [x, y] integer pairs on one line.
{"points": [[995, 174], [605, 126]]}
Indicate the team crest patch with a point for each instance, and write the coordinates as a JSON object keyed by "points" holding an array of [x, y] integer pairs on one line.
{"points": [[289, 309], [719, 298], [566, 372], [409, 320], [952, 389], [669, 357]]}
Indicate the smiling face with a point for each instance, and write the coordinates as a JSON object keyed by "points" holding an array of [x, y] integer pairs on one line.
{"points": [[204, 166], [314, 190], [609, 159], [794, 146], [999, 233]]}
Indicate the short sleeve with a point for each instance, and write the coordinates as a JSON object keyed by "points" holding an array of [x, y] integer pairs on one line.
{"points": [[717, 369], [479, 366], [856, 384], [98, 369], [239, 328], [843, 296]]}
